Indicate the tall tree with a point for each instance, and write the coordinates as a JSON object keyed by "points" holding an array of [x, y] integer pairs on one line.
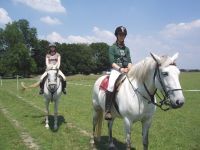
{"points": [[100, 56], [39, 54]]}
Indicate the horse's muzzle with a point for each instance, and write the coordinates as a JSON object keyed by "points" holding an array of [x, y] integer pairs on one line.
{"points": [[52, 87], [178, 104]]}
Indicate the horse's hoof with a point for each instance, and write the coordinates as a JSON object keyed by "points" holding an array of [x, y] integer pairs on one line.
{"points": [[92, 144], [47, 126], [92, 141], [97, 139], [55, 127], [111, 146]]}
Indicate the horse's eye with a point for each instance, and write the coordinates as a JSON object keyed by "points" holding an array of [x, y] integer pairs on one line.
{"points": [[165, 73]]}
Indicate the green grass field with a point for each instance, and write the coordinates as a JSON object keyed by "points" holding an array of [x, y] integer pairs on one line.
{"points": [[173, 130]]}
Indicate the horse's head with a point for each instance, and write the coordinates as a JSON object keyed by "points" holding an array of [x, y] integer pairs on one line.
{"points": [[167, 80], [52, 79]]}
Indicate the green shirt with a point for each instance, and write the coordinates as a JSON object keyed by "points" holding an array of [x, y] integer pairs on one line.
{"points": [[120, 56]]}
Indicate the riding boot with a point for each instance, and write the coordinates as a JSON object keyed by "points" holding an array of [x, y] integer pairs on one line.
{"points": [[63, 86], [41, 87], [108, 104]]}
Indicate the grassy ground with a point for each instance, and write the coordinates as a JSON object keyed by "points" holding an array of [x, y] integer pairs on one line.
{"points": [[176, 129]]}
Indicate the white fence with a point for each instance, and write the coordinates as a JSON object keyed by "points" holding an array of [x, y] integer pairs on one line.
{"points": [[75, 84]]}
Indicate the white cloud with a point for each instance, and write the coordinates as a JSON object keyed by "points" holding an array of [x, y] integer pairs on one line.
{"points": [[104, 35], [4, 18], [181, 29], [98, 36], [181, 37], [50, 21], [44, 5], [55, 37]]}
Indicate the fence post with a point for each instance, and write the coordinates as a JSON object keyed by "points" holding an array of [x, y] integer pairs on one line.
{"points": [[17, 83], [1, 81]]}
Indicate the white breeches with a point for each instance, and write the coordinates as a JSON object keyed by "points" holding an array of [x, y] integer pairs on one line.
{"points": [[62, 75], [114, 74], [43, 75], [59, 72]]}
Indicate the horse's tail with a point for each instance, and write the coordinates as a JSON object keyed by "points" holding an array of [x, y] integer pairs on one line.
{"points": [[98, 124], [98, 111], [34, 85]]}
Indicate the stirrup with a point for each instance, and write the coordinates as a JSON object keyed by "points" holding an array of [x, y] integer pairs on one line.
{"points": [[108, 116]]}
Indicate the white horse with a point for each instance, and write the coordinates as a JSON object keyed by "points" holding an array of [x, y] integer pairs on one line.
{"points": [[135, 97], [52, 92]]}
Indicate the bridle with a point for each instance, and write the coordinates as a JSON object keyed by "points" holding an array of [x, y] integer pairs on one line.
{"points": [[165, 101], [52, 92]]}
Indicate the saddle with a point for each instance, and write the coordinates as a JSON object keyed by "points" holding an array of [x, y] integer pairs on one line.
{"points": [[104, 85]]}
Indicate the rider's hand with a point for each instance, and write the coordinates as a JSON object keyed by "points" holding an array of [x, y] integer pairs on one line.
{"points": [[122, 70], [126, 70]]}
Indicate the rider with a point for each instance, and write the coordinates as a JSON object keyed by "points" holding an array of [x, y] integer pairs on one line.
{"points": [[120, 60], [53, 59]]}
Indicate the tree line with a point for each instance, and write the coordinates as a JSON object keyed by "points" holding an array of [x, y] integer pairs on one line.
{"points": [[22, 53]]}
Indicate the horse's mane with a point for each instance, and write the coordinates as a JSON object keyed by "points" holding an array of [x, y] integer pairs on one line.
{"points": [[140, 70]]}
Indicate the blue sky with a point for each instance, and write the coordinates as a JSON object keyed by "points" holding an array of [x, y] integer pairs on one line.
{"points": [[159, 26]]}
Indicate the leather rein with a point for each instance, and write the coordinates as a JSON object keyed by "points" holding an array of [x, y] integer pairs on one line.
{"points": [[165, 101]]}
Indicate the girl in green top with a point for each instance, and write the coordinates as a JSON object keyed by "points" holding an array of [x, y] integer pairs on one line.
{"points": [[120, 60]]}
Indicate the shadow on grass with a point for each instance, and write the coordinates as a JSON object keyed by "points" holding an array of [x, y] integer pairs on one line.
{"points": [[61, 120], [104, 145]]}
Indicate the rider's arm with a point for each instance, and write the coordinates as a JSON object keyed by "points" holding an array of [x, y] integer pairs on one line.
{"points": [[47, 61], [129, 59], [116, 67], [112, 59], [58, 62]]}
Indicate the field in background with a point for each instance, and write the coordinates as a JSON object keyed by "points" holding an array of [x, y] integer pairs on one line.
{"points": [[175, 129]]}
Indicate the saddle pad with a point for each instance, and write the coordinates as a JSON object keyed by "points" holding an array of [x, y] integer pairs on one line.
{"points": [[104, 83]]}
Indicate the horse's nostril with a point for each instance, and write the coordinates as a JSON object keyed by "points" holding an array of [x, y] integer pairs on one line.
{"points": [[178, 102]]}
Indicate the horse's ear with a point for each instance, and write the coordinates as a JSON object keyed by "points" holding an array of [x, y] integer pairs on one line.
{"points": [[174, 57], [155, 57]]}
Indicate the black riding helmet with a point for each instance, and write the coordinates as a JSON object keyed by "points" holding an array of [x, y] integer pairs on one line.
{"points": [[120, 29]]}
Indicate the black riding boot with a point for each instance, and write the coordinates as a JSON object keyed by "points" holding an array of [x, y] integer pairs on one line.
{"points": [[108, 104], [41, 87], [63, 86]]}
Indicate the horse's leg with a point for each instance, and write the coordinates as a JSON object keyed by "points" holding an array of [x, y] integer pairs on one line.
{"points": [[145, 131], [97, 122], [47, 114], [56, 114], [127, 128], [110, 140]]}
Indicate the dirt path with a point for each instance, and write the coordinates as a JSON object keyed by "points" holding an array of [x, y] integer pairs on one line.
{"points": [[26, 138]]}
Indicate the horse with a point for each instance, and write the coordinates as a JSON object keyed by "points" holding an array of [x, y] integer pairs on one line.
{"points": [[136, 98], [52, 93]]}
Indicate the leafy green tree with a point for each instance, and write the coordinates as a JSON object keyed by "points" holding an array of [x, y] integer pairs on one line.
{"points": [[38, 54], [29, 34], [100, 57], [16, 41], [18, 61]]}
